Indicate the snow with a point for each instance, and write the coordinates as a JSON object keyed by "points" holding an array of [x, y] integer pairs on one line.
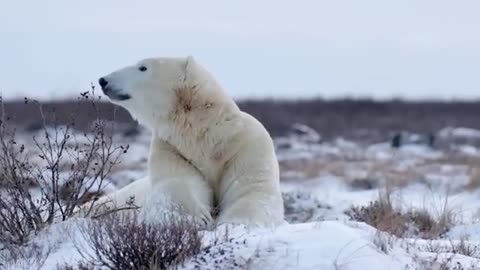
{"points": [[459, 132], [321, 245], [319, 234], [315, 245]]}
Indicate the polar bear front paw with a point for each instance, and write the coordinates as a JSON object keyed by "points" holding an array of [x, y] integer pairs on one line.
{"points": [[201, 214]]}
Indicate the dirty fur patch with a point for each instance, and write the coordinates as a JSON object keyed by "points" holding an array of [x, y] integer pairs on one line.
{"points": [[187, 101]]}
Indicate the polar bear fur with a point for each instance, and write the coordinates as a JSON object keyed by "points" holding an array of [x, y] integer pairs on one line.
{"points": [[205, 153]]}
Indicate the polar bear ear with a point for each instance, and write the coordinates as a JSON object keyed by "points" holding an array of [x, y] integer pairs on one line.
{"points": [[189, 68]]}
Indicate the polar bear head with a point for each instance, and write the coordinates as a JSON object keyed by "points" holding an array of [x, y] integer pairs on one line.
{"points": [[154, 87]]}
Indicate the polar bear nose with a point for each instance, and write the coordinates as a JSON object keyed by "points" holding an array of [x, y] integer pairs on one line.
{"points": [[102, 82]]}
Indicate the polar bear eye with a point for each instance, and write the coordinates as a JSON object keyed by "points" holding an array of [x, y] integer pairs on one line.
{"points": [[142, 68]]}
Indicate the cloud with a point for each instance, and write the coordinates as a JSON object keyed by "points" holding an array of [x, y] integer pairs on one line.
{"points": [[379, 48]]}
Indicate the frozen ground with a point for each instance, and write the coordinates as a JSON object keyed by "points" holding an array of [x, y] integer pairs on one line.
{"points": [[321, 180]]}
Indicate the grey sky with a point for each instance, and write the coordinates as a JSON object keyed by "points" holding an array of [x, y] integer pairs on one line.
{"points": [[410, 49]]}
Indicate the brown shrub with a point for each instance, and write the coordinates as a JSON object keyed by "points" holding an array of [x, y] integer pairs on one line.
{"points": [[24, 211], [78, 266], [382, 215], [28, 257], [123, 241]]}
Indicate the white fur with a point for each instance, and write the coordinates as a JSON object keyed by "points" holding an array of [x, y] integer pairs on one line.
{"points": [[205, 152]]}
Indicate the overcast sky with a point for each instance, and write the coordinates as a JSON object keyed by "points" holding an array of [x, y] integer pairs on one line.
{"points": [[382, 49]]}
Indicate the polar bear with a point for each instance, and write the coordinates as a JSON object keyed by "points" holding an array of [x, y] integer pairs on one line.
{"points": [[206, 154]]}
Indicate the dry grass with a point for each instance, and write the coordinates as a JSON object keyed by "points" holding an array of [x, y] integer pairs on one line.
{"points": [[375, 173], [438, 263], [474, 181], [309, 168], [383, 241], [452, 249], [364, 173], [461, 246], [382, 215]]}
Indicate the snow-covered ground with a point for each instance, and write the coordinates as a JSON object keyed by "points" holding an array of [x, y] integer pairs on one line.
{"points": [[321, 180]]}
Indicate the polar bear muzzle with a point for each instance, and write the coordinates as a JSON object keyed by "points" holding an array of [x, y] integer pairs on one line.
{"points": [[112, 93]]}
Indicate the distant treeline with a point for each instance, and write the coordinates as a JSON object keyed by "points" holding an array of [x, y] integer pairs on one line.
{"points": [[354, 119]]}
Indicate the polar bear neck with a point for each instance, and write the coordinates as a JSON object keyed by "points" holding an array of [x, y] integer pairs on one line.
{"points": [[200, 126], [198, 108], [199, 101]]}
